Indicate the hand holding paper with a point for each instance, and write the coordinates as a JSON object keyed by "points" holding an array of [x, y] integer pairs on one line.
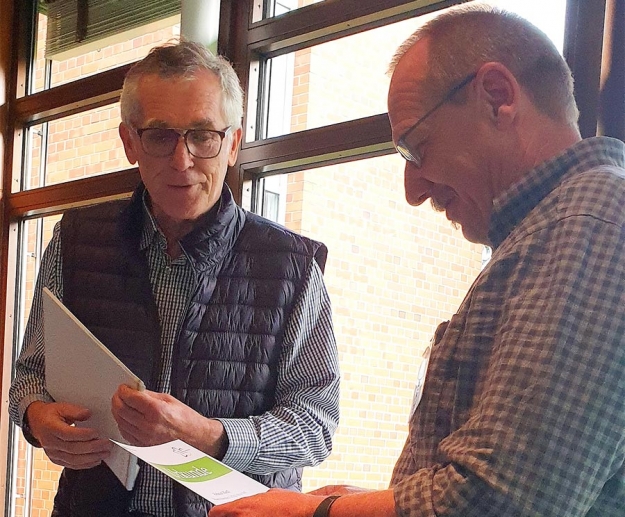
{"points": [[65, 444], [148, 418], [81, 372]]}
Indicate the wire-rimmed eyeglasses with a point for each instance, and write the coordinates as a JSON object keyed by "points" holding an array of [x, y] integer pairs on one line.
{"points": [[201, 143], [402, 146]]}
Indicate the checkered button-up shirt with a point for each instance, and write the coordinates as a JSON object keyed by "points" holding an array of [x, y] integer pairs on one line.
{"points": [[523, 409]]}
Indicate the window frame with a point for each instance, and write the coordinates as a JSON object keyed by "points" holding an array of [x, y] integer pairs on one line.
{"points": [[247, 43]]}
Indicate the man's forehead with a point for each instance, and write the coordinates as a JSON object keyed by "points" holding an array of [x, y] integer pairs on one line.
{"points": [[193, 101], [407, 101], [203, 78], [409, 76], [200, 123]]}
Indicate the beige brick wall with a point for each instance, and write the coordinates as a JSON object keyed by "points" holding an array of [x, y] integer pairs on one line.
{"points": [[394, 271]]}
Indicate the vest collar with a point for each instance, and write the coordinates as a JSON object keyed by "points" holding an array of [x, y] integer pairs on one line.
{"points": [[207, 244]]}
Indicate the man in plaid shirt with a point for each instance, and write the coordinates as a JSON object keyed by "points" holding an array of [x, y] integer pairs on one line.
{"points": [[523, 409]]}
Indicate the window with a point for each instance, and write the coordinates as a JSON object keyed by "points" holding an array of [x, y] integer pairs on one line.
{"points": [[316, 157], [271, 205], [72, 62], [34, 476], [325, 84], [78, 146]]}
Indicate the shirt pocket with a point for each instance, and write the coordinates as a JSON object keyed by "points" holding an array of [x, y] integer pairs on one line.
{"points": [[429, 421]]}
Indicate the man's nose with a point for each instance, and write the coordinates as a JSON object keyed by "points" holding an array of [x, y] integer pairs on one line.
{"points": [[417, 189], [181, 159]]}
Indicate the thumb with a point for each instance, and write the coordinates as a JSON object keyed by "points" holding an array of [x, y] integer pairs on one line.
{"points": [[72, 413]]}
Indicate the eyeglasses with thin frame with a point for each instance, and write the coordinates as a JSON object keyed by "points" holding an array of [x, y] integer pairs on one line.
{"points": [[162, 141], [402, 146]]}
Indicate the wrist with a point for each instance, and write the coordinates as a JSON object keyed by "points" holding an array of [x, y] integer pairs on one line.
{"points": [[212, 439], [323, 510], [27, 429]]}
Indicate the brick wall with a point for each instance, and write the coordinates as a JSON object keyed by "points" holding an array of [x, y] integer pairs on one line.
{"points": [[394, 271]]}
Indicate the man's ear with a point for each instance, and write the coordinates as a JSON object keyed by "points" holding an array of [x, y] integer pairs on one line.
{"points": [[235, 144], [130, 143], [501, 92]]}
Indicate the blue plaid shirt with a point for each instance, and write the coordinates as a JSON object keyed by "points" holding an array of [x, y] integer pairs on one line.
{"points": [[523, 409]]}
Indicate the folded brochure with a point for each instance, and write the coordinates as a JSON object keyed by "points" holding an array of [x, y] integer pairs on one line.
{"points": [[197, 471], [82, 371]]}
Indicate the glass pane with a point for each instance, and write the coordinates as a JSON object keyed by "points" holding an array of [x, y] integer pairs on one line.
{"points": [[128, 48], [274, 8], [271, 202], [341, 80], [346, 79], [82, 145], [393, 273], [35, 478], [547, 16]]}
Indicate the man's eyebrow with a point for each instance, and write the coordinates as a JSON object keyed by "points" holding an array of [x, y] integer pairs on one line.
{"points": [[156, 123], [198, 124], [203, 124]]}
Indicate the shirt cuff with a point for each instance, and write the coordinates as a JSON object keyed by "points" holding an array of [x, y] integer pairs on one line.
{"points": [[23, 406], [29, 399], [243, 443]]}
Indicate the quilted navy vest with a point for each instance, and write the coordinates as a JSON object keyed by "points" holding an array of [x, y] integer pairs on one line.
{"points": [[249, 273]]}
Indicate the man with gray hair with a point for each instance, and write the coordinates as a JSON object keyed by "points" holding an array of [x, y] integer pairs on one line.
{"points": [[223, 314], [523, 408]]}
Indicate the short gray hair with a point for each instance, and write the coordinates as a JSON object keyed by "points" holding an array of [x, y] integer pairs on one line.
{"points": [[464, 38], [183, 59]]}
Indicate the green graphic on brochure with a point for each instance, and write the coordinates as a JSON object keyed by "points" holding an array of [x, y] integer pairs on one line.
{"points": [[196, 471]]}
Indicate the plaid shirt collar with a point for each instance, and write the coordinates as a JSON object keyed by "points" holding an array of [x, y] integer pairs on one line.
{"points": [[150, 230], [511, 207], [151, 234]]}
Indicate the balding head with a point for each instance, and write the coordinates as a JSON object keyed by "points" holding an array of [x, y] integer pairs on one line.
{"points": [[464, 38]]}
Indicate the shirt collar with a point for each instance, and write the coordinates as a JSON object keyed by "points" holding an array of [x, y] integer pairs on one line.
{"points": [[513, 205], [150, 231], [152, 234]]}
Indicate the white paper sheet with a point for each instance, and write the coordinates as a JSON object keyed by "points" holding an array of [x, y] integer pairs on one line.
{"points": [[81, 370], [197, 471]]}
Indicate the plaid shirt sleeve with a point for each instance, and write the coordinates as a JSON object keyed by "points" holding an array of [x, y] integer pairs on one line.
{"points": [[29, 382], [524, 406], [298, 430]]}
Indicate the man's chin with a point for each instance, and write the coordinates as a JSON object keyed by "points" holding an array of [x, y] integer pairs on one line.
{"points": [[473, 236], [454, 223]]}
